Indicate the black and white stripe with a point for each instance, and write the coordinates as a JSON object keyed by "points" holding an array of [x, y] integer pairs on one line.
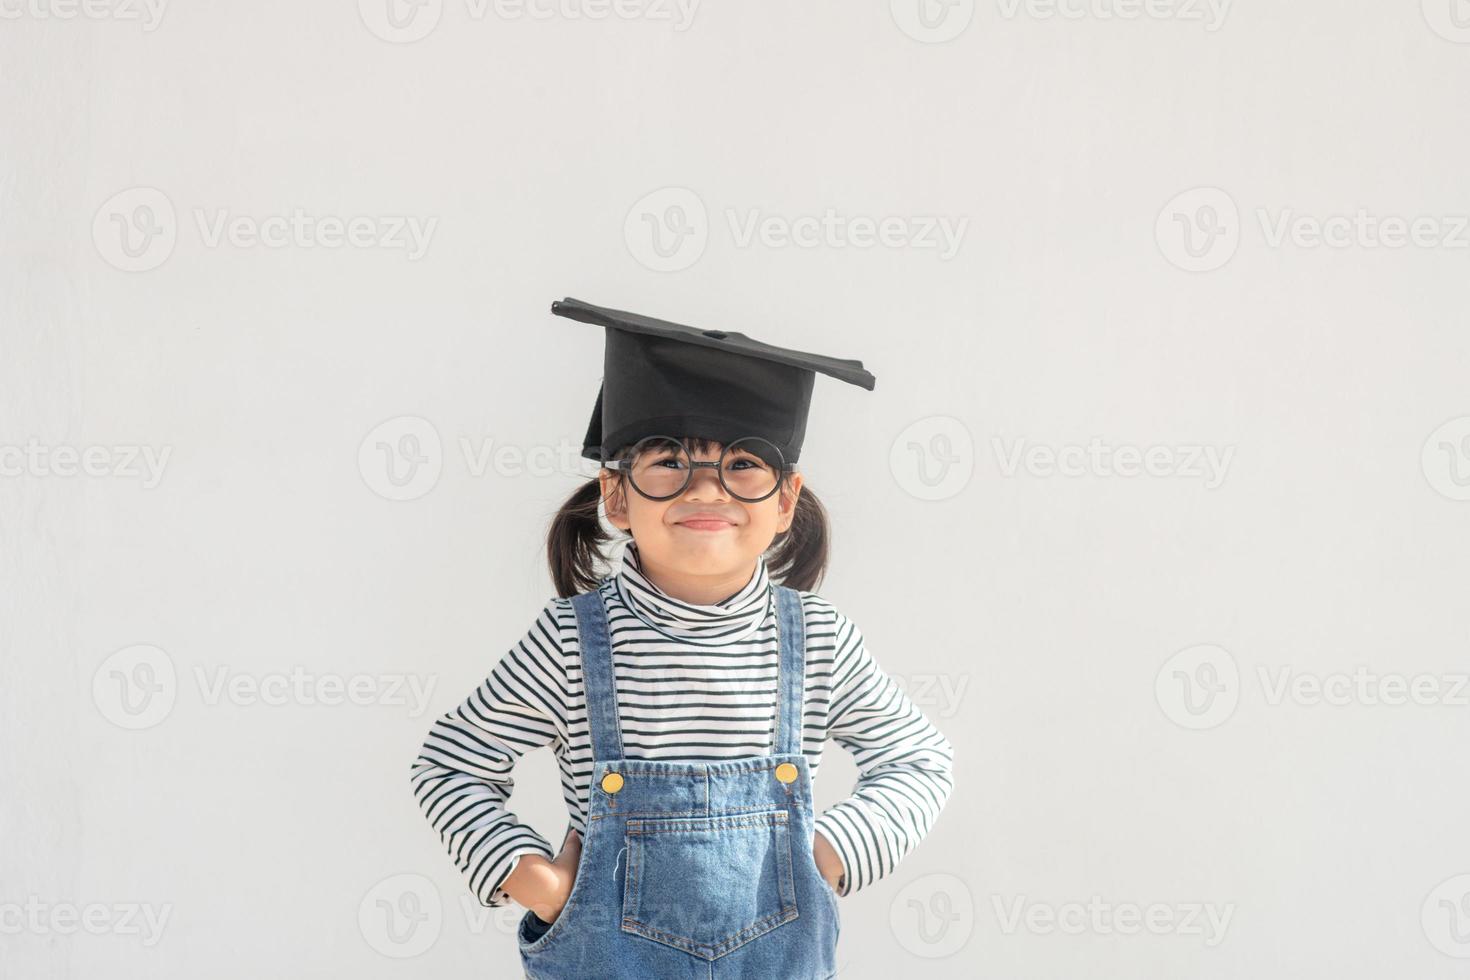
{"points": [[695, 683]]}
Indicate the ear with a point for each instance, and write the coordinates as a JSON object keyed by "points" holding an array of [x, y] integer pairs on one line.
{"points": [[789, 495], [613, 500]]}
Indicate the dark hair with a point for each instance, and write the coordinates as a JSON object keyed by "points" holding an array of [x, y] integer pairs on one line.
{"points": [[574, 542]]}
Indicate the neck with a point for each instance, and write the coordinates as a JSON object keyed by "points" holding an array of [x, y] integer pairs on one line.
{"points": [[699, 590]]}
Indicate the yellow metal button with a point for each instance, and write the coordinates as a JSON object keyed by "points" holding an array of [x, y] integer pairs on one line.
{"points": [[612, 782], [786, 772]]}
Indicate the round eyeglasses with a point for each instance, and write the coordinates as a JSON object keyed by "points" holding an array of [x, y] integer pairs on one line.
{"points": [[659, 467]]}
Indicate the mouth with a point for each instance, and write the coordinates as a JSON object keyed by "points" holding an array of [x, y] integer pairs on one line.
{"points": [[705, 524]]}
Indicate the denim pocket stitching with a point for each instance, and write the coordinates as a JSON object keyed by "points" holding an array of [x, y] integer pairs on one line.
{"points": [[638, 831], [753, 931], [656, 825]]}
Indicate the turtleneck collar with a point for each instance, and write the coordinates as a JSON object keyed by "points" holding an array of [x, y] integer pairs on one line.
{"points": [[735, 617]]}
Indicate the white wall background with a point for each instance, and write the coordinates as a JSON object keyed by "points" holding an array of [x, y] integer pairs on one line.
{"points": [[1086, 299]]}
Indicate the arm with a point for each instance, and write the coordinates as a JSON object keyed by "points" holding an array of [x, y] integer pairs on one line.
{"points": [[905, 766], [462, 775]]}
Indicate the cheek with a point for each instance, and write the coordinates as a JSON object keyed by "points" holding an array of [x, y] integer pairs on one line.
{"points": [[763, 519], [646, 512]]}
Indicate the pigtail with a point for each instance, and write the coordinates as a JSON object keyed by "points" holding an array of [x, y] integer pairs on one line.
{"points": [[798, 556], [575, 541]]}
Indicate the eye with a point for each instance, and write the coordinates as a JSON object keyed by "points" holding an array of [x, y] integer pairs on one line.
{"points": [[747, 461]]}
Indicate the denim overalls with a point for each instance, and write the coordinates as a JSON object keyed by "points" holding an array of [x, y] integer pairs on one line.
{"points": [[691, 870]]}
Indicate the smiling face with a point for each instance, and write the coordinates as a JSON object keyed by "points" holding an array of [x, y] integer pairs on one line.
{"points": [[702, 545]]}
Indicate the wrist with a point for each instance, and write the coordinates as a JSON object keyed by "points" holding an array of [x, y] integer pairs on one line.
{"points": [[533, 883], [829, 862]]}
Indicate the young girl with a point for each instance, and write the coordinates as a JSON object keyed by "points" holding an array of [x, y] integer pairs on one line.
{"points": [[687, 697]]}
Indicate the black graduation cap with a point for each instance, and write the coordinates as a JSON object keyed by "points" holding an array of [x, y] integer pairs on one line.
{"points": [[662, 378]]}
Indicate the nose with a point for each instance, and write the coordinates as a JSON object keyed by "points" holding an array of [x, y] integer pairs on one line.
{"points": [[705, 480]]}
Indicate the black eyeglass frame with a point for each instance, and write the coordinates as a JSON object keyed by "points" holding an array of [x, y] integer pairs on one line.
{"points": [[623, 465]]}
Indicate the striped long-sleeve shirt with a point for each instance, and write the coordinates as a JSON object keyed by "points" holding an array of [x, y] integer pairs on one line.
{"points": [[694, 683]]}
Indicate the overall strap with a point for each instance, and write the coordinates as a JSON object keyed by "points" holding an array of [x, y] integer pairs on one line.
{"points": [[791, 684], [598, 683]]}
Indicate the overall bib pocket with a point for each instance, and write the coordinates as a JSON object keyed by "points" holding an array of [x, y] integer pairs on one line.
{"points": [[708, 885]]}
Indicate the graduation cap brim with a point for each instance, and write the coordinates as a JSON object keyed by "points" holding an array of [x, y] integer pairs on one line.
{"points": [[725, 340], [668, 378]]}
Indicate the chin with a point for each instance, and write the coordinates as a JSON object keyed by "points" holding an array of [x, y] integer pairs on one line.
{"points": [[724, 544]]}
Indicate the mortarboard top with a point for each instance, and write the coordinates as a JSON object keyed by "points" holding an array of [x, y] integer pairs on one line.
{"points": [[663, 378]]}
